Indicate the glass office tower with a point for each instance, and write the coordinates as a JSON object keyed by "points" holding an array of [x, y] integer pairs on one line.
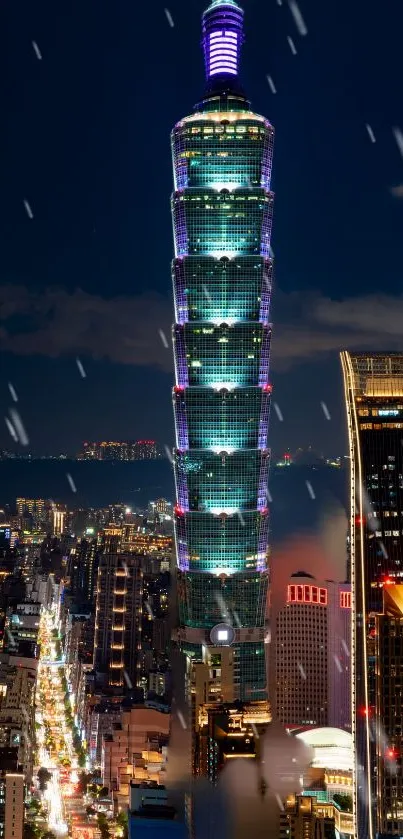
{"points": [[222, 271], [373, 384]]}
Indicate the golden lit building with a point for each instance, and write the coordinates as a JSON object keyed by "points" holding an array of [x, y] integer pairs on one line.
{"points": [[226, 732], [306, 818], [136, 750]]}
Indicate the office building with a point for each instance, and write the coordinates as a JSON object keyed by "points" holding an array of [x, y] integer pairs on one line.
{"points": [[222, 213], [82, 569], [12, 795], [129, 450], [389, 712], [373, 384], [118, 615], [312, 653], [305, 818]]}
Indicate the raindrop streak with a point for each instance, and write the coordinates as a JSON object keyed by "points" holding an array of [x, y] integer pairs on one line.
{"points": [[236, 618], [271, 252], [125, 568], [298, 19], [279, 2], [241, 518], [255, 731], [223, 607], [81, 369], [11, 641], [169, 454], [291, 45], [71, 482], [338, 663], [278, 412], [181, 719], [13, 392], [163, 338], [269, 496], [279, 802], [310, 489], [169, 17], [371, 134], [271, 84], [397, 191], [206, 293], [11, 429], [149, 610], [28, 209], [301, 670], [127, 679], [37, 51], [325, 410], [398, 135], [19, 427], [383, 549], [345, 648]]}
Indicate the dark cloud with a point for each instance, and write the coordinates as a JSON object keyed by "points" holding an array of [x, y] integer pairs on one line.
{"points": [[54, 323], [126, 329]]}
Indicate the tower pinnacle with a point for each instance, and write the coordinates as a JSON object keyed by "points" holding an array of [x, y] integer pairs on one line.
{"points": [[222, 38]]}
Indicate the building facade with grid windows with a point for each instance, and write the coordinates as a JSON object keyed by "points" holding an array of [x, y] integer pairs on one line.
{"points": [[312, 658], [222, 273], [373, 384]]}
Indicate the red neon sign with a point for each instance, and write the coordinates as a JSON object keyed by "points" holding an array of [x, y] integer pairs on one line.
{"points": [[345, 600], [307, 594]]}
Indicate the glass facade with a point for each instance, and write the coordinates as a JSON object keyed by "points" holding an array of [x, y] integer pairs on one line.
{"points": [[374, 397], [222, 276]]}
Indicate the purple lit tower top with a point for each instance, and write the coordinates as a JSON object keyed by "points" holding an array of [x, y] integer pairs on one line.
{"points": [[222, 38]]}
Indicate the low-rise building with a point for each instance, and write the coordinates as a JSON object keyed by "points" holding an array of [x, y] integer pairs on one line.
{"points": [[136, 749]]}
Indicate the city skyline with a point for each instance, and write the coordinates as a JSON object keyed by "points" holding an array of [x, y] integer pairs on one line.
{"points": [[58, 249]]}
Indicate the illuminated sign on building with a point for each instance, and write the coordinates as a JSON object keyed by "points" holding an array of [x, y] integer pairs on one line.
{"points": [[307, 594], [345, 600]]}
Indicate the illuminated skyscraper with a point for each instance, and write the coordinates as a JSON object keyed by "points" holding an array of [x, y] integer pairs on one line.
{"points": [[222, 215], [374, 397]]}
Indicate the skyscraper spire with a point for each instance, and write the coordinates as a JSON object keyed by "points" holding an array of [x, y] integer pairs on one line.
{"points": [[222, 39]]}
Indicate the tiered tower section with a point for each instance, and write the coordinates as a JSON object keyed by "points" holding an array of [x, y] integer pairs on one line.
{"points": [[222, 275]]}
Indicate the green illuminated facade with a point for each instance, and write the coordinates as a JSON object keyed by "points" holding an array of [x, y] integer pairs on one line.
{"points": [[222, 272]]}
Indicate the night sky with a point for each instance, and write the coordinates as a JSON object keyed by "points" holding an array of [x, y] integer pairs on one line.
{"points": [[85, 140]]}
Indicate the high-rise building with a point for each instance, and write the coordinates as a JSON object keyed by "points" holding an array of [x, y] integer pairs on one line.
{"points": [[312, 653], [82, 569], [58, 519], [35, 507], [12, 795], [222, 215], [388, 712], [373, 384], [118, 615]]}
